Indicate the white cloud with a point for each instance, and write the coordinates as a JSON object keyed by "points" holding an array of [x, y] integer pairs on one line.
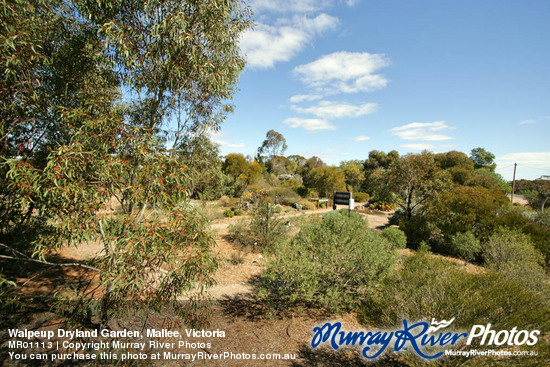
{"points": [[361, 138], [310, 125], [305, 97], [265, 45], [417, 147], [423, 131], [531, 165], [534, 160], [344, 72], [330, 109], [527, 122]]}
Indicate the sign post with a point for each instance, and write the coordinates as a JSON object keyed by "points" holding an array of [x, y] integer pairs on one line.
{"points": [[343, 198]]}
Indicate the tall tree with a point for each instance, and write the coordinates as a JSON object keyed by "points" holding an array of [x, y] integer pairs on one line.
{"points": [[483, 159], [203, 164], [354, 174], [273, 145], [412, 179], [70, 146], [177, 57], [326, 180]]}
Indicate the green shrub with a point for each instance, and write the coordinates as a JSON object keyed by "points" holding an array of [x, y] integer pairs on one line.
{"points": [[306, 192], [301, 190], [283, 196], [418, 229], [534, 224], [361, 197], [543, 219], [464, 245], [512, 254], [292, 182], [468, 208], [383, 206], [427, 287], [332, 262], [263, 229], [230, 213], [306, 205], [395, 237]]}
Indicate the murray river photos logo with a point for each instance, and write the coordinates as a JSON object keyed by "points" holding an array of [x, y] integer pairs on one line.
{"points": [[419, 337]]}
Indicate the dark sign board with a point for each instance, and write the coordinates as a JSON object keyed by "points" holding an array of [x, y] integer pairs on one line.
{"points": [[342, 197]]}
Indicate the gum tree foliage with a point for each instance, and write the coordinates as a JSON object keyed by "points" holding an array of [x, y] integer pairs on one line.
{"points": [[279, 165], [203, 164], [377, 161], [489, 180], [326, 180], [411, 181], [241, 172], [454, 158], [308, 165], [235, 165], [354, 175], [467, 208], [483, 159], [71, 149], [273, 145]]}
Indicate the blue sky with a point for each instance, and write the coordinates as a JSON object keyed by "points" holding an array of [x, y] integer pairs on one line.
{"points": [[339, 78]]}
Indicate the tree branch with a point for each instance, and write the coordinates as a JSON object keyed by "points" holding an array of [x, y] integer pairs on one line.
{"points": [[49, 263]]}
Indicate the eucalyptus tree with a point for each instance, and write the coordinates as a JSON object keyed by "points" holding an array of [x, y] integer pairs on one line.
{"points": [[273, 145], [92, 92]]}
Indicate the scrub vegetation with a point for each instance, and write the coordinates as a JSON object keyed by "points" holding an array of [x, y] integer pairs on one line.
{"points": [[106, 114]]}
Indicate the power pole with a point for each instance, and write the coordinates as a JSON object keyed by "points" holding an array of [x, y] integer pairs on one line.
{"points": [[514, 183]]}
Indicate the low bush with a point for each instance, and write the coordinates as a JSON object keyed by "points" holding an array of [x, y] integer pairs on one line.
{"points": [[361, 197], [418, 229], [427, 287], [230, 213], [536, 225], [301, 190], [464, 245], [383, 206], [263, 230], [512, 254], [306, 205], [333, 262], [254, 197], [543, 219], [283, 196], [395, 237], [305, 192]]}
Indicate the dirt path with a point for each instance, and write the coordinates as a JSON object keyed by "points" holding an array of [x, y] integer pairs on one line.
{"points": [[238, 268]]}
